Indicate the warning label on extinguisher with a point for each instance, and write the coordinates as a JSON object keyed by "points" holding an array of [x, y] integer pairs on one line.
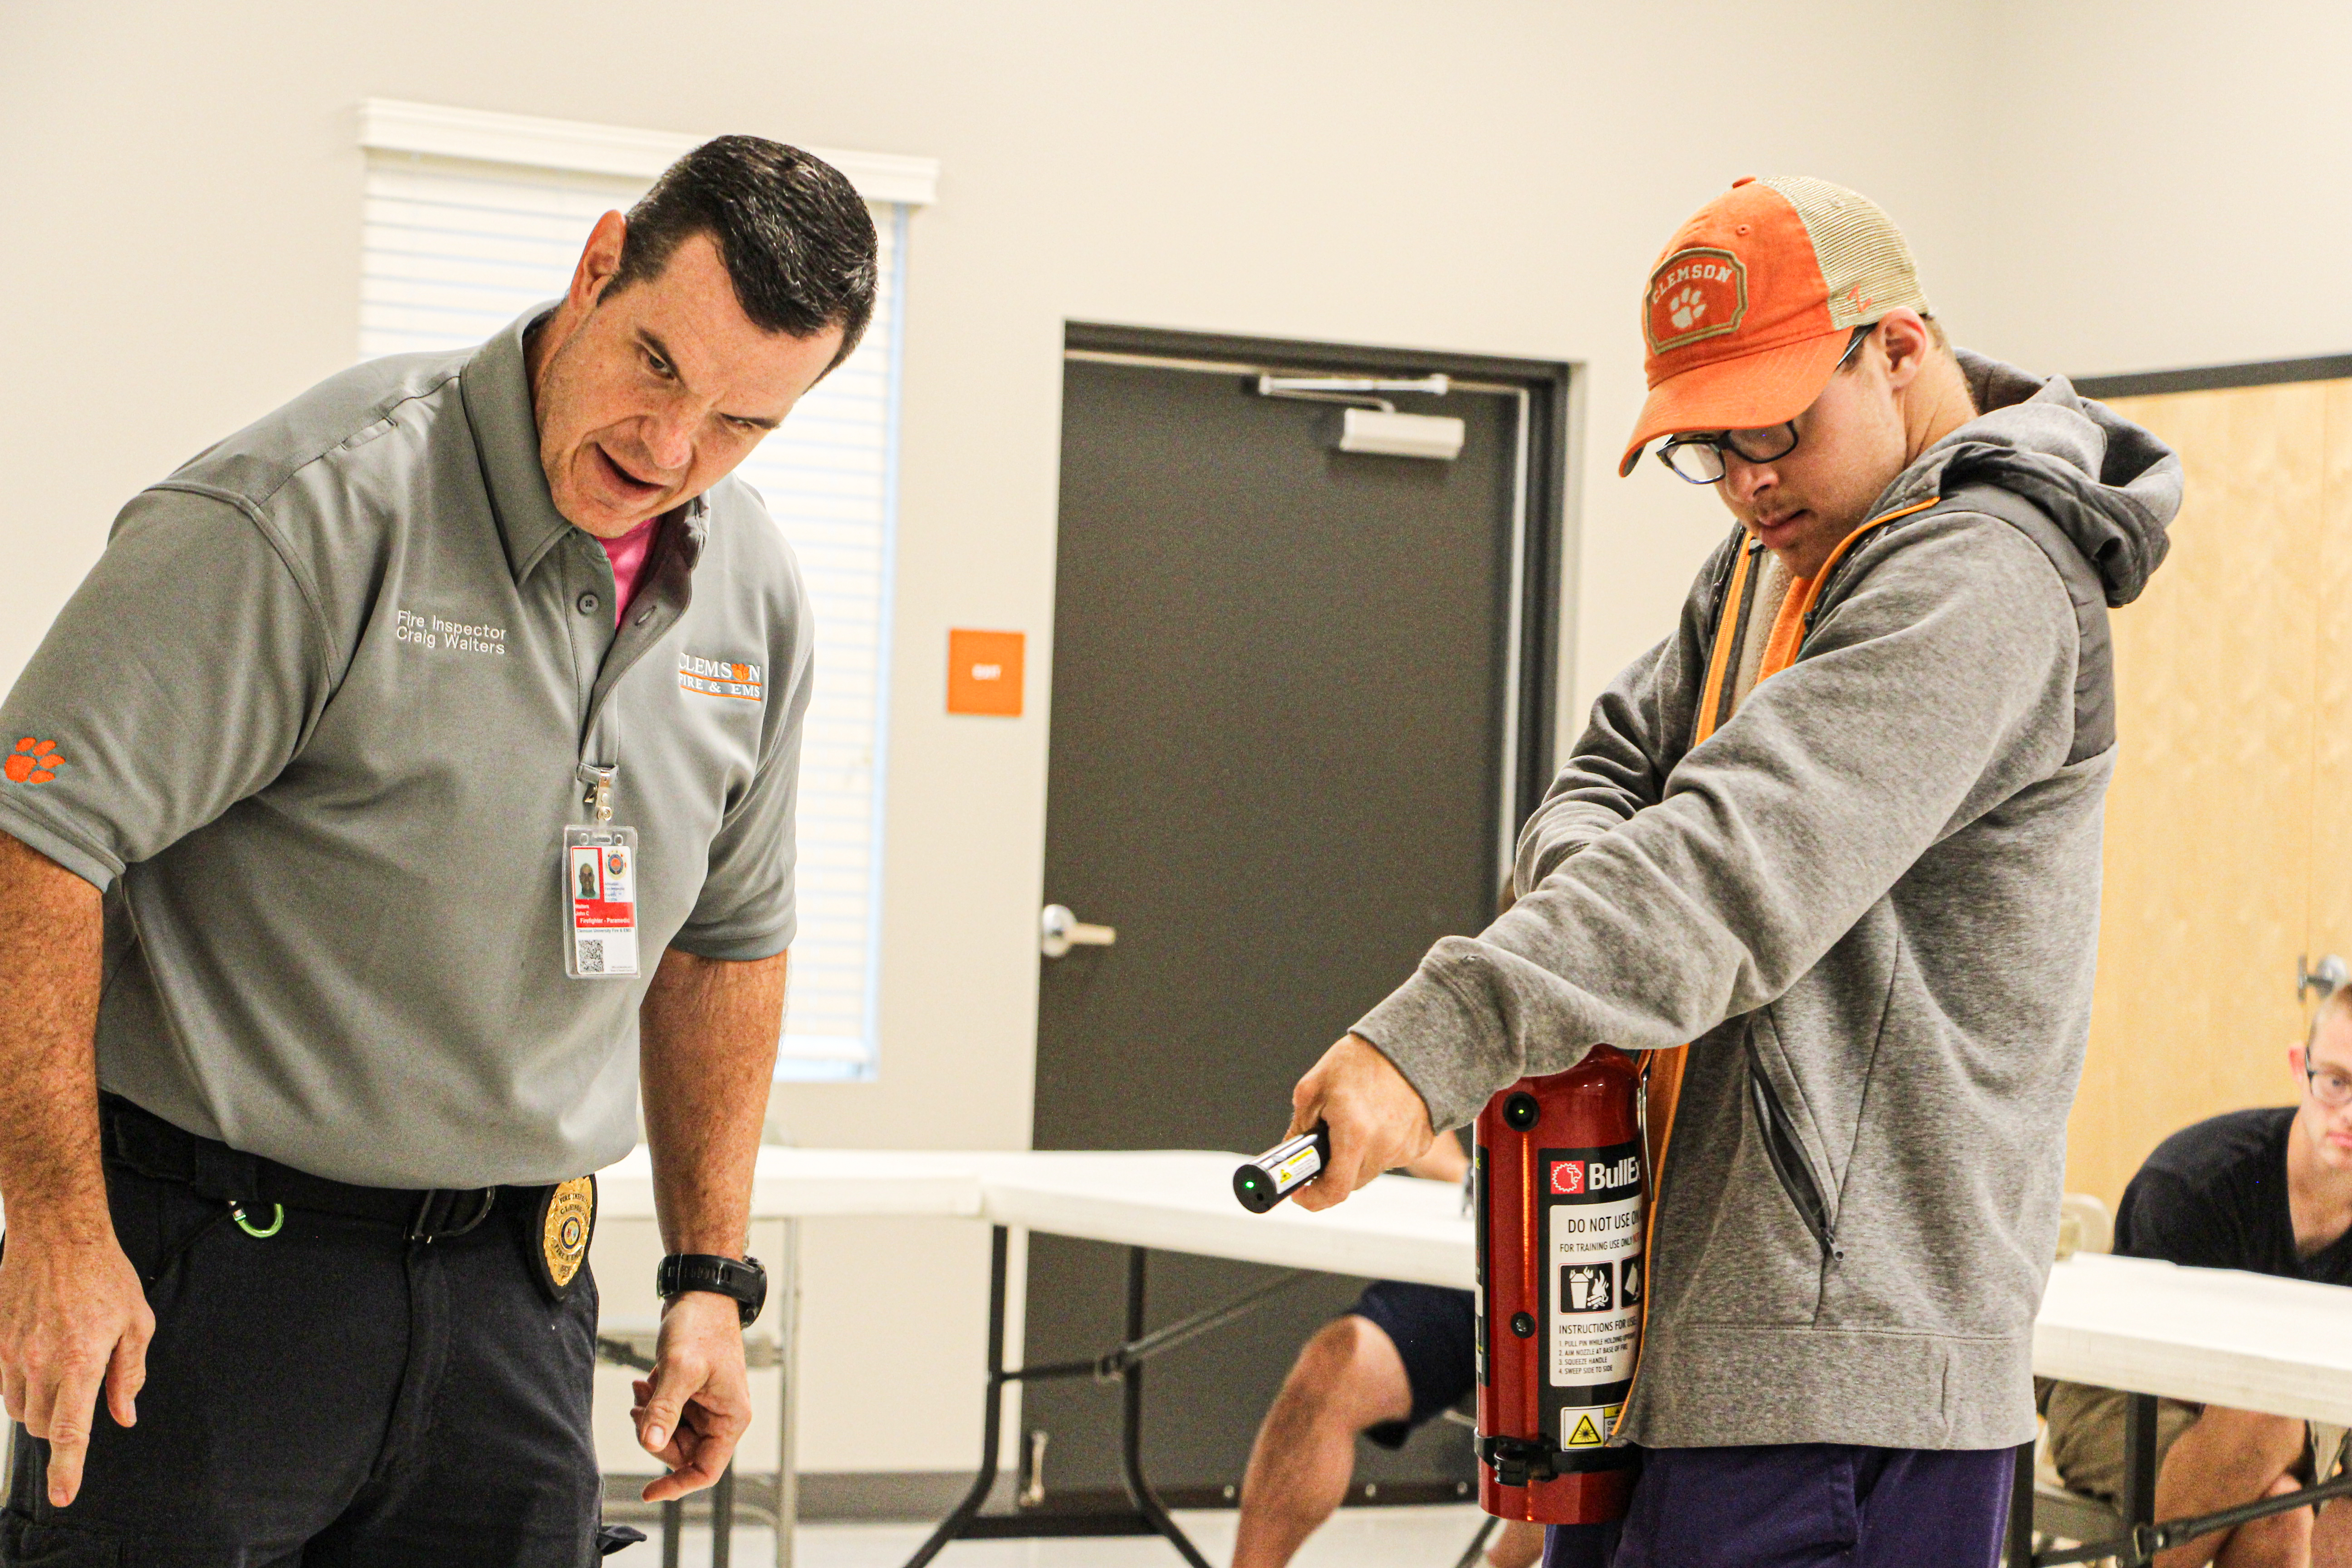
{"points": [[1593, 1273]]}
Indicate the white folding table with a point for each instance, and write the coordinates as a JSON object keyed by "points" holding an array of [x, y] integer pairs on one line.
{"points": [[2247, 1341], [1179, 1201], [2211, 1336], [2214, 1336]]}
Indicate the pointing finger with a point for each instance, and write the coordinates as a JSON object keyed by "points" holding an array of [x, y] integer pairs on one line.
{"points": [[68, 1434]]}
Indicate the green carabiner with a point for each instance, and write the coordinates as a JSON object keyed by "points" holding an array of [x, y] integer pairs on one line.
{"points": [[246, 1226]]}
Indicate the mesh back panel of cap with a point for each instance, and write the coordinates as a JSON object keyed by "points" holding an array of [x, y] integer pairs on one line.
{"points": [[1861, 254]]}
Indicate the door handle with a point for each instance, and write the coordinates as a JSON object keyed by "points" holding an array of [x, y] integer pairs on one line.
{"points": [[1059, 930], [2330, 975]]}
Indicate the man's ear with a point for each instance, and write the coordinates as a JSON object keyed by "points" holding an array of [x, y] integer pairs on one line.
{"points": [[2295, 1060], [599, 260], [1904, 337]]}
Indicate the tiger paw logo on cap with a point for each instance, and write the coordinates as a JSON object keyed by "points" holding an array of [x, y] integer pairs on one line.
{"points": [[1700, 292], [33, 761]]}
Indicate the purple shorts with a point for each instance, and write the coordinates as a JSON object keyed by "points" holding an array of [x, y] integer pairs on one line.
{"points": [[1802, 1505]]}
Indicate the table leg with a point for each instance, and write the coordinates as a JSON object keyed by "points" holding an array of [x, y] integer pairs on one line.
{"points": [[673, 1532], [2139, 1459], [991, 1419], [2021, 1509], [1477, 1547], [788, 1363], [1130, 1446], [1125, 1364]]}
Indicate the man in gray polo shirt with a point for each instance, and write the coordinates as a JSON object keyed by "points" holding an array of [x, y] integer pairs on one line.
{"points": [[412, 775]]}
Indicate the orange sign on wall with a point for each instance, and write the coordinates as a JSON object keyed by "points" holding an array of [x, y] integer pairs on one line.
{"points": [[984, 672]]}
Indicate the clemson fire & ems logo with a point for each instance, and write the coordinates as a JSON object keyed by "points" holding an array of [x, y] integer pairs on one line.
{"points": [[720, 677]]}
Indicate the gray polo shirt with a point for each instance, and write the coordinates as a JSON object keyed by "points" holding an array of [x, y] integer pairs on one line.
{"points": [[314, 722]]}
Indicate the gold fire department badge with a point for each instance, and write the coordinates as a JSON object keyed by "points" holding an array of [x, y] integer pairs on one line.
{"points": [[567, 1219]]}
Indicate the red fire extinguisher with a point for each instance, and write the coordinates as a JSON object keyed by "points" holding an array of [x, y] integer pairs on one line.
{"points": [[1563, 1200]]}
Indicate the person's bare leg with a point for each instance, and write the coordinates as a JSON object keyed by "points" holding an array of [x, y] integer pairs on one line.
{"points": [[2282, 1540], [2331, 1536], [1348, 1377], [2228, 1458], [1516, 1545]]}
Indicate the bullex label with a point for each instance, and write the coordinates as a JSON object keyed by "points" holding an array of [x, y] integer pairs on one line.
{"points": [[1595, 1178], [1593, 1237]]}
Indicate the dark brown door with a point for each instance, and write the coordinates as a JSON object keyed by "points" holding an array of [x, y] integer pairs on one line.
{"points": [[1290, 684]]}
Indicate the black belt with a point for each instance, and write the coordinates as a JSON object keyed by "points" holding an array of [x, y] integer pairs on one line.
{"points": [[154, 1147]]}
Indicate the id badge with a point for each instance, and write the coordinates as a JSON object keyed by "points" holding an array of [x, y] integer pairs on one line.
{"points": [[600, 889]]}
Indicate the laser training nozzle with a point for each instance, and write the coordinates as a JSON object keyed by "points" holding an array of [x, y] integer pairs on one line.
{"points": [[1283, 1169]]}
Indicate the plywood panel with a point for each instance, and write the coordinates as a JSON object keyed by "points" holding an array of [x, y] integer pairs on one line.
{"points": [[2207, 896], [2331, 795]]}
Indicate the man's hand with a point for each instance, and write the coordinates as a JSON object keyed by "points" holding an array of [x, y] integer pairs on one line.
{"points": [[1376, 1118], [1444, 1162], [707, 1047], [73, 1317], [697, 1405]]}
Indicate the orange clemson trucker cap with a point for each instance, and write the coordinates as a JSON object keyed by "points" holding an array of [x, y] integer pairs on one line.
{"points": [[1748, 311]]}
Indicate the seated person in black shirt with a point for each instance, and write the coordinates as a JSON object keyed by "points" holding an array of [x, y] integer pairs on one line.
{"points": [[1401, 1355], [2270, 1191]]}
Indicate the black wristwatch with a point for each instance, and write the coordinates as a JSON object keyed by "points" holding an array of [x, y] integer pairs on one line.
{"points": [[740, 1278]]}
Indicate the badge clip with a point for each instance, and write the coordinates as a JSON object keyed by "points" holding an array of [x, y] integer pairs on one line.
{"points": [[600, 788]]}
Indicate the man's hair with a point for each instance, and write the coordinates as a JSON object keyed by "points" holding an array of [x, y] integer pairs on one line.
{"points": [[2336, 1004], [796, 237]]}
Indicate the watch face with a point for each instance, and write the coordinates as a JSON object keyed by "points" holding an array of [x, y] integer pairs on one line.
{"points": [[752, 1288]]}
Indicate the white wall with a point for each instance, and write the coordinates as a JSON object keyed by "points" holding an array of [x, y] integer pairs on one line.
{"points": [[2171, 180], [182, 196]]}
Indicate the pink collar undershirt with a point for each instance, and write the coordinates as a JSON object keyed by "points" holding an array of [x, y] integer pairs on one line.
{"points": [[628, 554]]}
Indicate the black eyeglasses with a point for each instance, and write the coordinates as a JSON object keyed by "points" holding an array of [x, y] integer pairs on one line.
{"points": [[2328, 1087], [1697, 458]]}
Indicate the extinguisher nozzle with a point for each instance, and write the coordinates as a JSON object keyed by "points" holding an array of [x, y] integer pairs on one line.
{"points": [[1255, 1192], [1262, 1183]]}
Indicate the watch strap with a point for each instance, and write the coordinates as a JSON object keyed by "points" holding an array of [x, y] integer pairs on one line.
{"points": [[740, 1280]]}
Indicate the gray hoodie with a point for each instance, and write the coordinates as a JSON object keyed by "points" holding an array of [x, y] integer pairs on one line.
{"points": [[1870, 900]]}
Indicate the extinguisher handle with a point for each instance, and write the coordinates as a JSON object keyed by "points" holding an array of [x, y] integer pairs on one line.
{"points": [[1283, 1169]]}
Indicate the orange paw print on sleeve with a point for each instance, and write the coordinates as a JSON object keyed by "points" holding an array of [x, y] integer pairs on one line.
{"points": [[33, 761]]}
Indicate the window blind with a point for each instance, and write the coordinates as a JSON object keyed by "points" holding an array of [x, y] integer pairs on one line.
{"points": [[453, 249]]}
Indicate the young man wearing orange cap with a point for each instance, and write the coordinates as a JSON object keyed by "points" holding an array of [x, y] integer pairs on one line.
{"points": [[1840, 833]]}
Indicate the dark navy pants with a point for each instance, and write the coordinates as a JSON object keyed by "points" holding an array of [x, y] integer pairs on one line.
{"points": [[1804, 1505], [332, 1395]]}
